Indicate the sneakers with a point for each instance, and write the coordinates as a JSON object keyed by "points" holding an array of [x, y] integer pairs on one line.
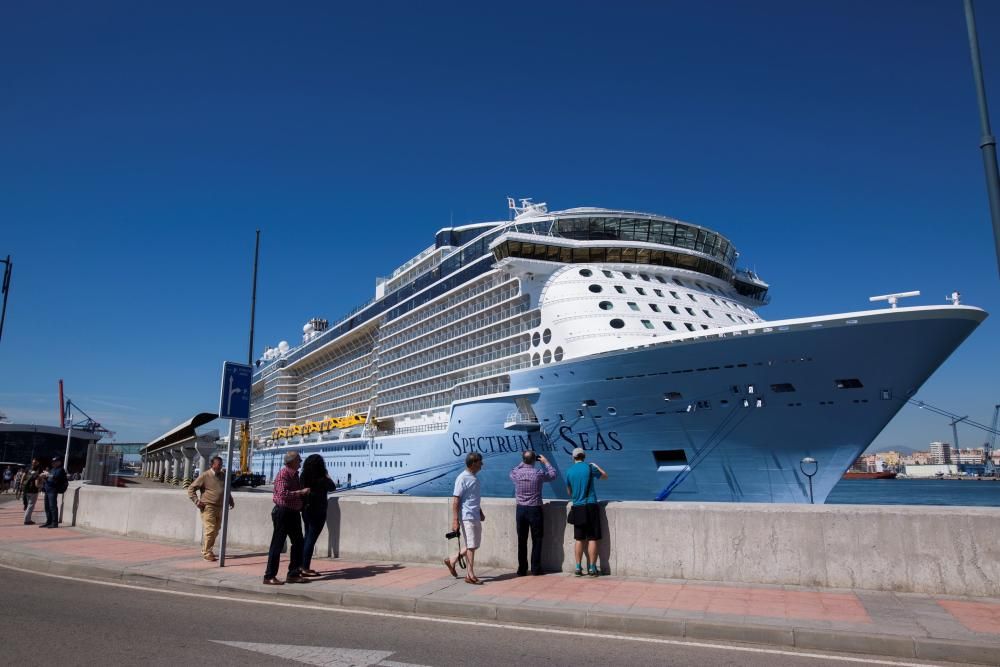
{"points": [[579, 570], [592, 571]]}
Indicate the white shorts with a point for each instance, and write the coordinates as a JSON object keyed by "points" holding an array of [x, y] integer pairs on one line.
{"points": [[472, 531]]}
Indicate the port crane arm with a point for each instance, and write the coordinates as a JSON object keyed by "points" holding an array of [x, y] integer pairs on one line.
{"points": [[956, 417]]}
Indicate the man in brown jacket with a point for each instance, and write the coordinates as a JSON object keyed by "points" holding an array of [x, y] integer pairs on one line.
{"points": [[212, 484]]}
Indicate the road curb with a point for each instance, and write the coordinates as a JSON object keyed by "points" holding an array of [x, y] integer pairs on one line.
{"points": [[923, 648]]}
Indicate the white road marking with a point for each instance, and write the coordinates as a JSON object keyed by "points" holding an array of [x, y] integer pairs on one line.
{"points": [[454, 621], [322, 655]]}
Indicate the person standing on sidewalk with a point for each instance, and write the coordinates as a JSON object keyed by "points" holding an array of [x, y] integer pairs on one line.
{"points": [[30, 490], [56, 483], [8, 479], [19, 481], [466, 511], [287, 519], [317, 480], [212, 484], [528, 482], [585, 513]]}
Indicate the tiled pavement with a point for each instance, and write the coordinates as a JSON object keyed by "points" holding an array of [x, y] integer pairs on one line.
{"points": [[905, 625]]}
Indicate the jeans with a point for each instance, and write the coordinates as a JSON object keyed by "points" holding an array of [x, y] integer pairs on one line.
{"points": [[287, 525], [529, 518], [29, 505], [51, 508], [314, 518]]}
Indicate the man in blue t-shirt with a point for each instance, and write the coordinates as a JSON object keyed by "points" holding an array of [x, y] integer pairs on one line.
{"points": [[586, 512], [467, 515]]}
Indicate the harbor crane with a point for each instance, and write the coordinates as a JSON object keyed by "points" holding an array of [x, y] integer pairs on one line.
{"points": [[956, 419]]}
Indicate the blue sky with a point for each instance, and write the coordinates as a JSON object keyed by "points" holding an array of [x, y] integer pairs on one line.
{"points": [[835, 142]]}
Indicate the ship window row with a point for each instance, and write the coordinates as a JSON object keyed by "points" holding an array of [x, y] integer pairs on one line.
{"points": [[477, 319], [489, 333], [634, 307], [642, 292], [457, 364], [318, 393], [540, 250], [449, 385], [416, 428], [365, 367], [608, 273], [339, 405], [468, 309], [400, 302], [432, 307], [645, 230], [449, 334], [495, 386], [329, 362], [460, 345]]}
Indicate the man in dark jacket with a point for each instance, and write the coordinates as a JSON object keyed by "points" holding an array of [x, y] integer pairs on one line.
{"points": [[55, 484]]}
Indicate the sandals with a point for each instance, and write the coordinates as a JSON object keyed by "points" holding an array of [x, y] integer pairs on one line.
{"points": [[473, 580], [451, 568]]}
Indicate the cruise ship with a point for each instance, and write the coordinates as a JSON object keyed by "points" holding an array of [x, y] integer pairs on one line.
{"points": [[633, 336]]}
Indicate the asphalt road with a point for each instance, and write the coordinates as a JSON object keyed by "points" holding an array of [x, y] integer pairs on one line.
{"points": [[49, 620]]}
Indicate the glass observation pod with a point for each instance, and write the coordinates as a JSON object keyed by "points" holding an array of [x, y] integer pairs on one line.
{"points": [[629, 239]]}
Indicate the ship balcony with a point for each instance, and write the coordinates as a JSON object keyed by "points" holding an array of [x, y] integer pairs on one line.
{"points": [[521, 421]]}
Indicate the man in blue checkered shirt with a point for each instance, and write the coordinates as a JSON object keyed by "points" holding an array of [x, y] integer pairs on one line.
{"points": [[528, 481]]}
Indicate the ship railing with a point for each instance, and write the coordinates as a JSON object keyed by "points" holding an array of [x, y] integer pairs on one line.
{"points": [[421, 359], [518, 417], [478, 320], [447, 390], [432, 324], [401, 430], [459, 364], [420, 314], [446, 337], [446, 398]]}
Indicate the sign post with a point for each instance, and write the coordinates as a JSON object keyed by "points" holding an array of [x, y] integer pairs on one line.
{"points": [[234, 405]]}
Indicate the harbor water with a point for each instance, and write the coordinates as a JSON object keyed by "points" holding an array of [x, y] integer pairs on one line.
{"points": [[915, 492]]}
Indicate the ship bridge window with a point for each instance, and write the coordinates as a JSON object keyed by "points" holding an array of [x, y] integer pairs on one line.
{"points": [[782, 387], [595, 288], [617, 323], [586, 273], [850, 383], [606, 305]]}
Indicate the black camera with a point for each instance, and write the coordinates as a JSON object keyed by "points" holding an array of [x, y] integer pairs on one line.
{"points": [[453, 534]]}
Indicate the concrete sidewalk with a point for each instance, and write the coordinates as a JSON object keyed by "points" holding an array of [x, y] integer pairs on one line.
{"points": [[900, 625]]}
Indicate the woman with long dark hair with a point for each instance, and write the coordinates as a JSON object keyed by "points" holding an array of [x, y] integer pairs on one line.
{"points": [[317, 480]]}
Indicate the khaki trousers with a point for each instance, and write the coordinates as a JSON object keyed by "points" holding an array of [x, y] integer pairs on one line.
{"points": [[211, 518]]}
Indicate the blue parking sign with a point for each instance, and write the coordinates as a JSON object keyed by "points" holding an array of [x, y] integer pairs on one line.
{"points": [[234, 399]]}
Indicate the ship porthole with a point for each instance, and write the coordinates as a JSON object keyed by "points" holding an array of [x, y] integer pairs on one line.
{"points": [[547, 336], [595, 288], [586, 273], [559, 354], [612, 411], [535, 338], [535, 360], [547, 357], [606, 305], [617, 323]]}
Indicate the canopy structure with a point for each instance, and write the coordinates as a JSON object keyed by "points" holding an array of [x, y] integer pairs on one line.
{"points": [[170, 457]]}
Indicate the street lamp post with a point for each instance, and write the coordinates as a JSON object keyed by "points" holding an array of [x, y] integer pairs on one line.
{"points": [[809, 467]]}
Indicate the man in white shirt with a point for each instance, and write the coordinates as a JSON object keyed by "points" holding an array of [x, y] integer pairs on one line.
{"points": [[467, 514]]}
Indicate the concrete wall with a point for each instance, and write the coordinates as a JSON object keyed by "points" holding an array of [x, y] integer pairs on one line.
{"points": [[951, 550]]}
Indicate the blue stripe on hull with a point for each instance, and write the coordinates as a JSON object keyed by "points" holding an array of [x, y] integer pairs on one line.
{"points": [[613, 405]]}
